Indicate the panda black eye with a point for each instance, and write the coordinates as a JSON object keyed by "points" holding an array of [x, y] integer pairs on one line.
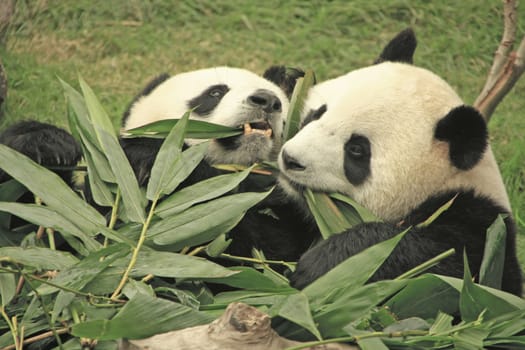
{"points": [[216, 93], [358, 147], [355, 150]]}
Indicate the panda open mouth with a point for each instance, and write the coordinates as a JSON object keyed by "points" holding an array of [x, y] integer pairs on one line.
{"points": [[262, 128]]}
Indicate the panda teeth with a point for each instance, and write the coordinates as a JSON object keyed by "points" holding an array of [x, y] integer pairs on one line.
{"points": [[249, 130]]}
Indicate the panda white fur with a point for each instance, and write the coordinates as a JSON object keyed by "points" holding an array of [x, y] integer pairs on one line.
{"points": [[397, 139]]}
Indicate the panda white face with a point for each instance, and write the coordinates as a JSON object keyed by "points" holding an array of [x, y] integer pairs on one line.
{"points": [[384, 141], [228, 96]]}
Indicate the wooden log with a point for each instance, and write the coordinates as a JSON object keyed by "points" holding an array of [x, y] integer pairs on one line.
{"points": [[240, 327]]}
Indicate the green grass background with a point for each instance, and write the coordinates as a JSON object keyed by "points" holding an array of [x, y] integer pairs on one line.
{"points": [[118, 45]]}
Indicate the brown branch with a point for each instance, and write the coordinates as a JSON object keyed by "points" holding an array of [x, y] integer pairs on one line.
{"points": [[38, 337], [511, 72], [507, 66]]}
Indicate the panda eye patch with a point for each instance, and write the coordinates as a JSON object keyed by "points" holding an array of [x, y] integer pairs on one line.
{"points": [[206, 102], [357, 159]]}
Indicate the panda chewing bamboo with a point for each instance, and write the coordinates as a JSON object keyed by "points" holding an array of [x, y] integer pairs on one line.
{"points": [[397, 139]]}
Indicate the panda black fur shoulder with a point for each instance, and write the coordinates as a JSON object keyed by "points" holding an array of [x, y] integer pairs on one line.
{"points": [[397, 139]]}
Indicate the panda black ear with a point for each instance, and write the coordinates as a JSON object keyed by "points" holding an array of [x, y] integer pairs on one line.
{"points": [[284, 77], [466, 132], [400, 49]]}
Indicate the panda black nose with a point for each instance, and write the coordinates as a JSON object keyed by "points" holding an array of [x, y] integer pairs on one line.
{"points": [[266, 100], [290, 163]]}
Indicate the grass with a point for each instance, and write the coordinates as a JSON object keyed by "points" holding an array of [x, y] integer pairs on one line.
{"points": [[117, 46]]}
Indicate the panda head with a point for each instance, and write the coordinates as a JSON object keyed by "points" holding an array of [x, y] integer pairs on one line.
{"points": [[222, 95], [394, 135]]}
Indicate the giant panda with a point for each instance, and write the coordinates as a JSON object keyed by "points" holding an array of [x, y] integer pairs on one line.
{"points": [[222, 95], [399, 140]]}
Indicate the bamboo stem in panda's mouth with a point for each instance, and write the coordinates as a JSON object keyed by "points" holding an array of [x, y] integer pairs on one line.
{"points": [[262, 128]]}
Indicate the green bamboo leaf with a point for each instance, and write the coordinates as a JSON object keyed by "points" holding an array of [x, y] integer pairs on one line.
{"points": [[442, 323], [132, 198], [200, 192], [141, 317], [189, 160], [166, 159], [327, 216], [39, 258], [204, 222], [80, 113], [474, 300], [354, 271], [507, 325], [363, 214], [51, 189], [86, 270], [491, 270], [62, 300], [7, 287], [196, 129], [216, 247], [249, 278], [515, 301], [295, 308], [166, 264], [353, 304], [300, 92], [97, 114], [46, 217]]}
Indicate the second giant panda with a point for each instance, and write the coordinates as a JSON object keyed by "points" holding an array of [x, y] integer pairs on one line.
{"points": [[221, 95], [399, 140]]}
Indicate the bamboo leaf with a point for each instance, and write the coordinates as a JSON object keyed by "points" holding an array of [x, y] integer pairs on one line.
{"points": [[352, 305], [424, 297], [46, 217], [300, 92], [354, 271], [39, 258], [80, 274], [328, 217], [189, 160], [296, 309], [200, 192], [196, 129], [166, 159], [7, 287], [51, 189], [78, 105], [141, 317], [166, 264], [363, 214], [204, 222], [474, 300], [491, 270], [97, 114], [132, 198], [249, 278]]}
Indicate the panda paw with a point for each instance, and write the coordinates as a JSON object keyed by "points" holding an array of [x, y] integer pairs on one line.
{"points": [[45, 144]]}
